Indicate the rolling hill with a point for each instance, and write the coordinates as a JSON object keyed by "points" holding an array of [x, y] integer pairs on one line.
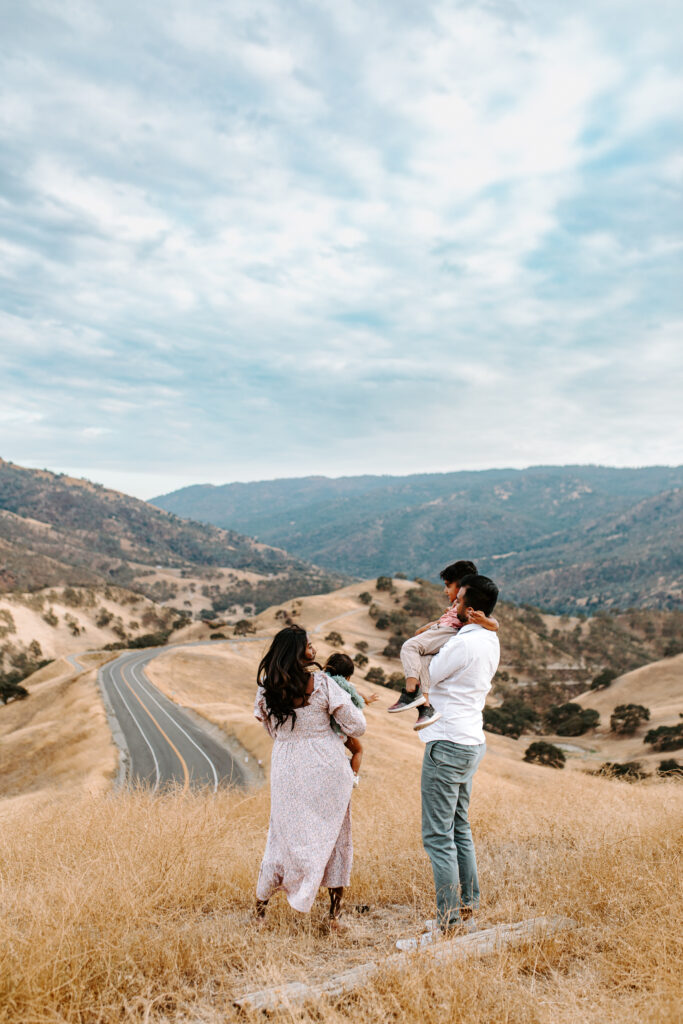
{"points": [[569, 538], [56, 530]]}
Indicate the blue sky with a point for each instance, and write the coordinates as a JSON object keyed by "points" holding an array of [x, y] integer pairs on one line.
{"points": [[259, 239]]}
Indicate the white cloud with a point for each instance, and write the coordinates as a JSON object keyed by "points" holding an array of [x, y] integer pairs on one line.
{"points": [[248, 219]]}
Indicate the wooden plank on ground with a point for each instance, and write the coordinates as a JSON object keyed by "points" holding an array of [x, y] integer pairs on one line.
{"points": [[476, 944]]}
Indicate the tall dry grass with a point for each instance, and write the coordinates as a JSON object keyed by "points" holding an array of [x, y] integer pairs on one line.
{"points": [[137, 908]]}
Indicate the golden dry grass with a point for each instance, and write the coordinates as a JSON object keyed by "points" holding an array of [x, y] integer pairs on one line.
{"points": [[136, 908], [57, 738]]}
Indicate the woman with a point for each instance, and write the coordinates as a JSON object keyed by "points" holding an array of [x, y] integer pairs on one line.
{"points": [[309, 837]]}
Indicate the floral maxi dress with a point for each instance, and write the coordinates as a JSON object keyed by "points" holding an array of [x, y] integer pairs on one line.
{"points": [[309, 836]]}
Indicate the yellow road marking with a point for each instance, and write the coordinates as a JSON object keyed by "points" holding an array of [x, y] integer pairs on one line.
{"points": [[186, 774]]}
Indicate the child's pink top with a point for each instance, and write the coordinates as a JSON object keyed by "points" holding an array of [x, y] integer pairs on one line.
{"points": [[450, 618]]}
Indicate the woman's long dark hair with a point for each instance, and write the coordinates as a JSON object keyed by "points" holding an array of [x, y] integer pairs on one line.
{"points": [[283, 674]]}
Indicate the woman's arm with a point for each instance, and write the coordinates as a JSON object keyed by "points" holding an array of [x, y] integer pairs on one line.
{"points": [[261, 711]]}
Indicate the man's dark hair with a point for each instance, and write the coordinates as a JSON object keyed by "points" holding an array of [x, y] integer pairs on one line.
{"points": [[455, 572], [482, 593], [339, 665]]}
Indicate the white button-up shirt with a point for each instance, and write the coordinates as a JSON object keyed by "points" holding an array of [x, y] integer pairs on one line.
{"points": [[461, 675]]}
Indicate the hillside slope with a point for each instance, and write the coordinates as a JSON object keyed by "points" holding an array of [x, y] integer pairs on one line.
{"points": [[565, 538], [57, 530]]}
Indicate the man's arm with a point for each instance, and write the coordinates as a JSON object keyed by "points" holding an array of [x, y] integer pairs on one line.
{"points": [[451, 658]]}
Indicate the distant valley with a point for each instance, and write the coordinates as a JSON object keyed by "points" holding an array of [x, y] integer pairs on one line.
{"points": [[567, 539]]}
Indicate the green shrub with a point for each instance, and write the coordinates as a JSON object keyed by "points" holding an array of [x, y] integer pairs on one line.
{"points": [[545, 753], [626, 718], [570, 719], [104, 617], [395, 681], [512, 718], [603, 679], [7, 624], [423, 604], [12, 691], [393, 648], [630, 771], [666, 737]]}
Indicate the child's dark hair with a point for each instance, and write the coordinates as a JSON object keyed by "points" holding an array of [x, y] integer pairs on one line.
{"points": [[339, 665], [482, 593], [455, 572]]}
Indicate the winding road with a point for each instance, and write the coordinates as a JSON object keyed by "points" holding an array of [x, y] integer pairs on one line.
{"points": [[163, 745]]}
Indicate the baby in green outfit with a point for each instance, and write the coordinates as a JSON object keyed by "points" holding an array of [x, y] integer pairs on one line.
{"points": [[341, 668]]}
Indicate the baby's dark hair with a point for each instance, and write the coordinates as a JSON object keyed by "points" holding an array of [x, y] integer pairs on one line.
{"points": [[339, 665], [455, 572]]}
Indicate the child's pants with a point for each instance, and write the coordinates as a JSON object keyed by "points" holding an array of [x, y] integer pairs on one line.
{"points": [[418, 651]]}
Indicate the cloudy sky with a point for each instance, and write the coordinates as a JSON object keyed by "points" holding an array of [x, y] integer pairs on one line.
{"points": [[262, 238]]}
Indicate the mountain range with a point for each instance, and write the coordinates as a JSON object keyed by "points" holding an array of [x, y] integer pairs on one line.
{"points": [[565, 538], [57, 530]]}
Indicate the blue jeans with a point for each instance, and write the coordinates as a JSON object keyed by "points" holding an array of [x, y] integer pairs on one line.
{"points": [[447, 773]]}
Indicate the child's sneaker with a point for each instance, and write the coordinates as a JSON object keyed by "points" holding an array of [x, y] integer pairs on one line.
{"points": [[407, 700], [426, 716], [356, 780]]}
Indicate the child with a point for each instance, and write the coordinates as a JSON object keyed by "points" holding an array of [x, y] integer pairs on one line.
{"points": [[418, 651], [341, 668]]}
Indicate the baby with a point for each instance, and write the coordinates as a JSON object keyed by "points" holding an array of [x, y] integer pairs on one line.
{"points": [[341, 668]]}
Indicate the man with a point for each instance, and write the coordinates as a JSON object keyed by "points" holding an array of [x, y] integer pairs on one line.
{"points": [[461, 675]]}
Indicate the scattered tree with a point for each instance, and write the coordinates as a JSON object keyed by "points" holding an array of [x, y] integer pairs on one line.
{"points": [[603, 679], [385, 583], [362, 645], [570, 719], [12, 691], [334, 639], [382, 622], [393, 648], [395, 681], [376, 675], [512, 718], [365, 597], [7, 624], [360, 660], [104, 617], [50, 617], [545, 753], [73, 624], [666, 737], [626, 718], [243, 627], [670, 767]]}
